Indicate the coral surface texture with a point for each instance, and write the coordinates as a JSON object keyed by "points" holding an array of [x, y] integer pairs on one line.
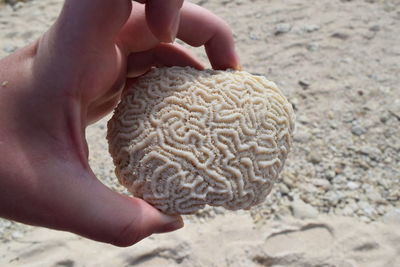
{"points": [[183, 138]]}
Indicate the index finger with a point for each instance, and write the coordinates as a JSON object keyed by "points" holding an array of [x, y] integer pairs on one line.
{"points": [[162, 16], [199, 27]]}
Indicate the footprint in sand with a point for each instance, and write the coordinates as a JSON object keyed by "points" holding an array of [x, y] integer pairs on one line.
{"points": [[310, 237]]}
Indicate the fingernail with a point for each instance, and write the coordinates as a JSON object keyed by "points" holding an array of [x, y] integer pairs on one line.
{"points": [[171, 223], [173, 30]]}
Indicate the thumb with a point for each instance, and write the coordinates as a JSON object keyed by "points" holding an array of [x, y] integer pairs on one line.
{"points": [[96, 212]]}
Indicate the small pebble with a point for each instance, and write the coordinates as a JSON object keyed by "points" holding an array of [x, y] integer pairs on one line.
{"points": [[302, 136], [9, 48], [314, 157], [302, 210], [374, 196], [304, 84], [370, 151], [311, 28], [18, 5], [323, 183], [375, 28], [358, 130], [341, 35], [339, 179], [282, 28], [330, 174], [312, 47], [347, 211], [348, 117], [283, 188], [17, 235], [392, 216], [289, 180], [384, 117], [352, 185], [334, 197]]}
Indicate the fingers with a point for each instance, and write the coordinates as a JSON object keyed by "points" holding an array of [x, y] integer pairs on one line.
{"points": [[99, 21], [163, 55], [77, 27], [163, 18], [200, 27], [197, 27]]}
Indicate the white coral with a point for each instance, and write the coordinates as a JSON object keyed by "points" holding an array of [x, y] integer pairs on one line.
{"points": [[183, 138]]}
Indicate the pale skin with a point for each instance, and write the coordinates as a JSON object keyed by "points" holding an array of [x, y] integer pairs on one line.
{"points": [[71, 77]]}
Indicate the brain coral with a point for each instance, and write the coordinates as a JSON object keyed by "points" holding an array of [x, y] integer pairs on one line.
{"points": [[183, 138]]}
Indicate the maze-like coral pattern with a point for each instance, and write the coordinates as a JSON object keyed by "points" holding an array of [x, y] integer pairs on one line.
{"points": [[183, 138]]}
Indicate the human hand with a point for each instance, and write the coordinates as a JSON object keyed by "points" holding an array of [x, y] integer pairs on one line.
{"points": [[71, 77]]}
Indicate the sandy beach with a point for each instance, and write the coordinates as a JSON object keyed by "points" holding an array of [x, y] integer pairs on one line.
{"points": [[226, 240], [338, 200]]}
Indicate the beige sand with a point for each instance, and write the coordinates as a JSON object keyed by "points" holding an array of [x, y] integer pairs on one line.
{"points": [[226, 240], [338, 62]]}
